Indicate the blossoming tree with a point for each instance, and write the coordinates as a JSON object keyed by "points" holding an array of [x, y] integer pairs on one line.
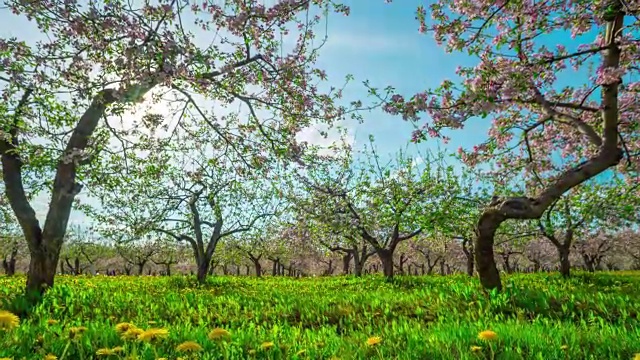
{"points": [[524, 48], [98, 60]]}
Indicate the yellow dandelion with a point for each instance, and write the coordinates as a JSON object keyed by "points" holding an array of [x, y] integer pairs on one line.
{"points": [[267, 345], [374, 340], [219, 333], [6, 358], [566, 347], [50, 357], [124, 326], [636, 356], [8, 320], [52, 322], [153, 334], [476, 348], [189, 346], [487, 335], [105, 352], [131, 334], [117, 349], [161, 359], [76, 331]]}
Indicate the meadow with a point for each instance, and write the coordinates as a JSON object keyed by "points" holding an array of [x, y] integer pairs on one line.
{"points": [[539, 316]]}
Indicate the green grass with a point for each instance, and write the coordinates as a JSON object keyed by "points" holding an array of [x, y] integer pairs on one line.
{"points": [[537, 317]]}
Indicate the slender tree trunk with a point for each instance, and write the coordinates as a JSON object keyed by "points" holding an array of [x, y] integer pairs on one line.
{"points": [[470, 265], [468, 254]]}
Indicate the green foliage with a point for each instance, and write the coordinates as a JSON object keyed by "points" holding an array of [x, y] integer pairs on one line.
{"points": [[537, 317]]}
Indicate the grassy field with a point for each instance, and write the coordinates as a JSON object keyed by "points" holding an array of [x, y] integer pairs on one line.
{"points": [[538, 317]]}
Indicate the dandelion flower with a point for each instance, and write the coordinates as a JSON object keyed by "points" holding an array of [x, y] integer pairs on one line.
{"points": [[50, 357], [189, 346], [124, 326], [566, 347], [636, 356], [131, 334], [487, 335], [374, 340], [153, 334], [218, 333], [52, 322], [76, 331], [267, 345], [8, 320], [105, 352], [476, 348]]}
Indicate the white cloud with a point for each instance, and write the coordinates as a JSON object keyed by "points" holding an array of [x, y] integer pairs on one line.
{"points": [[314, 136]]}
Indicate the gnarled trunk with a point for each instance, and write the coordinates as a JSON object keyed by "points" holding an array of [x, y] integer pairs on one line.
{"points": [[483, 246]]}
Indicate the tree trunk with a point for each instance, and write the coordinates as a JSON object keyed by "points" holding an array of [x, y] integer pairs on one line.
{"points": [[468, 253], [258, 267], [167, 269], [42, 270], [10, 266], [483, 248], [203, 270], [470, 265], [589, 263], [565, 263], [357, 268], [346, 262], [386, 258], [141, 268]]}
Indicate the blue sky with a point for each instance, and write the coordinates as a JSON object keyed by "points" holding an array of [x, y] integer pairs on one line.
{"points": [[378, 42]]}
